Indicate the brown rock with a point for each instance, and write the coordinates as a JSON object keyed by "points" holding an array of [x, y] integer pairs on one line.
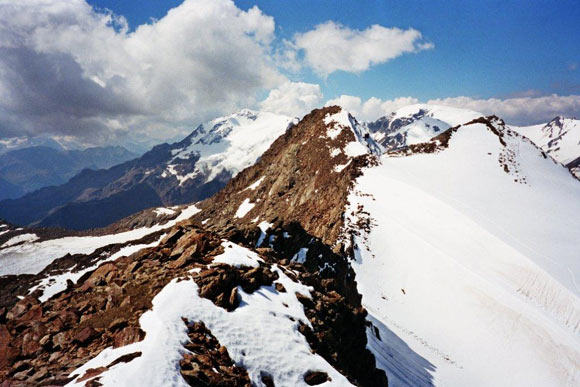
{"points": [[118, 323], [127, 336], [7, 352], [173, 236], [267, 379], [29, 345], [304, 300], [182, 261], [280, 287], [40, 374], [99, 276], [18, 310], [85, 336], [69, 318], [91, 373], [234, 300], [125, 359], [313, 378], [35, 313], [45, 340], [20, 366], [59, 340]]}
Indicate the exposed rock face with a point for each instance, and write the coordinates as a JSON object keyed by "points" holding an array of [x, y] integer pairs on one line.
{"points": [[386, 130], [304, 177], [299, 187], [209, 363], [52, 339]]}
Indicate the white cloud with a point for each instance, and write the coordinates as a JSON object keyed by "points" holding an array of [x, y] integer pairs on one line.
{"points": [[330, 47], [519, 111], [67, 69], [293, 99], [372, 108], [516, 111]]}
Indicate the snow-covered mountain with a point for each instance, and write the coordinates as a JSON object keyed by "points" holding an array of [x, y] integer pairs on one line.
{"points": [[60, 143], [225, 145], [418, 123], [169, 174], [328, 261], [415, 124], [560, 138], [470, 265]]}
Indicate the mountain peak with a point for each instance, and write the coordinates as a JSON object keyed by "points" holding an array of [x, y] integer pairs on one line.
{"points": [[416, 124], [304, 177]]}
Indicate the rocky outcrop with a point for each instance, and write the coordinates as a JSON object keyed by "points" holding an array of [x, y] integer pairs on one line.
{"points": [[304, 177], [208, 363], [46, 342], [299, 190]]}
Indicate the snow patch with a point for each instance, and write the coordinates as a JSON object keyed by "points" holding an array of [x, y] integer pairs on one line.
{"points": [[264, 227], [54, 284], [238, 256], [256, 184], [20, 239], [244, 208], [300, 256], [33, 257], [259, 336], [163, 211]]}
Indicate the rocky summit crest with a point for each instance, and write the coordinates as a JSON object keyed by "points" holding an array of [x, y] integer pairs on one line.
{"points": [[274, 229]]}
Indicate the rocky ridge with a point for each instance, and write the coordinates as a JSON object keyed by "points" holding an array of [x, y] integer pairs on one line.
{"points": [[298, 189]]}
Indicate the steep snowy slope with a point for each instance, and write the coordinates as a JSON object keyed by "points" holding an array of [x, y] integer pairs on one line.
{"points": [[560, 138], [469, 264], [414, 124], [169, 174], [226, 144]]}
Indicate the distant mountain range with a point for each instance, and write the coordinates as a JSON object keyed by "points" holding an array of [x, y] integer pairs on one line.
{"points": [[28, 169], [169, 174], [328, 259], [202, 163], [414, 124], [560, 138]]}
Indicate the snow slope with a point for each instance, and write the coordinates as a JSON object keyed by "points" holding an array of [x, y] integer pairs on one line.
{"points": [[229, 143], [470, 273], [560, 138], [32, 257]]}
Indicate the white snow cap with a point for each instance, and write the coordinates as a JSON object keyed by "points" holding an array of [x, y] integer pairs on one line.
{"points": [[363, 143], [230, 143], [470, 276]]}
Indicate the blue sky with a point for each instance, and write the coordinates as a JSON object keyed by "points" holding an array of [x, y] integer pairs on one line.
{"points": [[482, 48]]}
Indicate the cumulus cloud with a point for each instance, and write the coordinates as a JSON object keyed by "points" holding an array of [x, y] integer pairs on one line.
{"points": [[293, 99], [330, 47], [68, 69], [372, 108], [519, 111]]}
